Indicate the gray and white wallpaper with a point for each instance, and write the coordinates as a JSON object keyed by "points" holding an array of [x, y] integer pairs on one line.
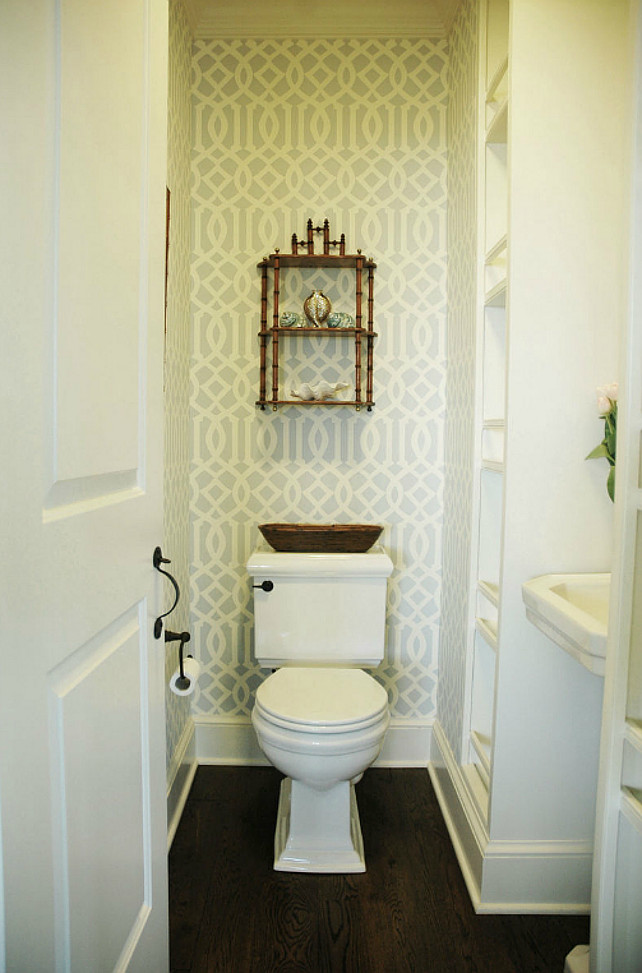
{"points": [[355, 131], [462, 242]]}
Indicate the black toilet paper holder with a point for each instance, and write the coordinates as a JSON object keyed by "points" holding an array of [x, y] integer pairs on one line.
{"points": [[182, 682]]}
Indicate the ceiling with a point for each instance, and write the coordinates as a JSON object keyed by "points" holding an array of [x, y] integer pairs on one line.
{"points": [[321, 18]]}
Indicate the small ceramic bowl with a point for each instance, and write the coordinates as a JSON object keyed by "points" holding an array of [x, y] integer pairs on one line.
{"points": [[290, 319], [340, 319]]}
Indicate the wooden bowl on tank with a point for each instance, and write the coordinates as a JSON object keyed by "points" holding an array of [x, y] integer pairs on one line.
{"points": [[321, 538]]}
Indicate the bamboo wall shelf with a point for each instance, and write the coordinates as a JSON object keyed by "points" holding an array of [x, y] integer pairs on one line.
{"points": [[363, 336]]}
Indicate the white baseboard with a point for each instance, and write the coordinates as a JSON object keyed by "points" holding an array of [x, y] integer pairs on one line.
{"points": [[227, 740], [552, 878], [180, 777], [407, 744], [540, 877], [232, 740]]}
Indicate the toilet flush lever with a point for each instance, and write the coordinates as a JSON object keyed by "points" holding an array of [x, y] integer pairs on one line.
{"points": [[266, 585]]}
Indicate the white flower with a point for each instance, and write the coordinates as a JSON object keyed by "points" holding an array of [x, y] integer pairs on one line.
{"points": [[606, 396]]}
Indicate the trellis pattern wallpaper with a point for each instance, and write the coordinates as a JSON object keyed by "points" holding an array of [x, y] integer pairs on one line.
{"points": [[355, 131], [177, 353], [462, 120]]}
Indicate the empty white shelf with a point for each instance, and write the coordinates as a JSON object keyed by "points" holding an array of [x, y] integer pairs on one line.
{"points": [[488, 631], [496, 83], [498, 129], [481, 745], [490, 591], [496, 296], [632, 807], [492, 466], [633, 734], [497, 249]]}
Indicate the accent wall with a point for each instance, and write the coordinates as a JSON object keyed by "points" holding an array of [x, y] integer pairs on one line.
{"points": [[353, 131]]}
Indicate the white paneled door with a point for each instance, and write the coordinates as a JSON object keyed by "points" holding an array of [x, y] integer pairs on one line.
{"points": [[82, 785]]}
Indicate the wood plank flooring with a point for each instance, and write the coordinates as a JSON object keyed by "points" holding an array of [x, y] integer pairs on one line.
{"points": [[230, 912]]}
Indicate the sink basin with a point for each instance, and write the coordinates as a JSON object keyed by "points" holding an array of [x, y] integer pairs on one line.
{"points": [[573, 610]]}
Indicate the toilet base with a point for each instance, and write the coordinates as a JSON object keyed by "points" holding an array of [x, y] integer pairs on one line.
{"points": [[318, 831]]}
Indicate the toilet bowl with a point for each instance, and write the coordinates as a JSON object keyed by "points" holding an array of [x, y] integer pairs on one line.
{"points": [[322, 728], [319, 718]]}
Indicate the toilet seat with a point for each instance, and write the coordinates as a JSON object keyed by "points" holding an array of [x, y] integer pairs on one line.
{"points": [[321, 700], [322, 728]]}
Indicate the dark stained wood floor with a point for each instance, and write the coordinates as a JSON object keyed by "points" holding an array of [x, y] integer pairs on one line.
{"points": [[230, 912]]}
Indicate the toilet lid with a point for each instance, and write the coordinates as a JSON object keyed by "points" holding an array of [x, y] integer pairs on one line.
{"points": [[321, 697]]}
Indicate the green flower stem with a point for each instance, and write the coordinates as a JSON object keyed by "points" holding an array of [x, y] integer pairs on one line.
{"points": [[606, 449]]}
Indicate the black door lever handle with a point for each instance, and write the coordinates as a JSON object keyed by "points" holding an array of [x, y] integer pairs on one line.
{"points": [[157, 560], [266, 585]]}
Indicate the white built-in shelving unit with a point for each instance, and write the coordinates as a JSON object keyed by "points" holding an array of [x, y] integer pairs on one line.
{"points": [[493, 253], [518, 787]]}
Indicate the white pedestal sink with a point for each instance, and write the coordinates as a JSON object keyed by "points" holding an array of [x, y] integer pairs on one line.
{"points": [[573, 610]]}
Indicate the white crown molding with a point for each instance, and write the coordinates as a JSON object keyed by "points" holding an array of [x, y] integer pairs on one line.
{"points": [[448, 9], [320, 18], [191, 8]]}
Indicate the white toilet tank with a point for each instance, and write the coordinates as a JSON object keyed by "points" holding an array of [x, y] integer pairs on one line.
{"points": [[323, 609]]}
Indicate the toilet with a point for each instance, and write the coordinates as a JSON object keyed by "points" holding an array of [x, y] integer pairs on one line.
{"points": [[319, 718]]}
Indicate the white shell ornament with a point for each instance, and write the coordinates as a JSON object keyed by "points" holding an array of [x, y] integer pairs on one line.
{"points": [[317, 307], [324, 390], [303, 392]]}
